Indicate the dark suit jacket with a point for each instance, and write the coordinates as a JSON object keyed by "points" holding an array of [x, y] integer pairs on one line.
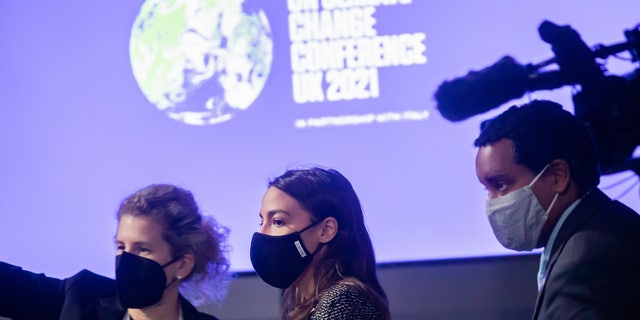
{"points": [[594, 265], [85, 296]]}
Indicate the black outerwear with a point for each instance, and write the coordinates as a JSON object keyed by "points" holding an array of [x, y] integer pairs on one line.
{"points": [[85, 296], [594, 265]]}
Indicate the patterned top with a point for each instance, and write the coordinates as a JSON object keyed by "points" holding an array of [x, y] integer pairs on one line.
{"points": [[345, 302]]}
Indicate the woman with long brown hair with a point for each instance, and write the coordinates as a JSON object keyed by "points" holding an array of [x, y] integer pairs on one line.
{"points": [[314, 244]]}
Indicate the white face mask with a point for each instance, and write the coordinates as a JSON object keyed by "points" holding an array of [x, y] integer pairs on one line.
{"points": [[517, 217]]}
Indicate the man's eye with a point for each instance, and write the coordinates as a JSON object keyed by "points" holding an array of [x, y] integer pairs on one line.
{"points": [[501, 187], [278, 223]]}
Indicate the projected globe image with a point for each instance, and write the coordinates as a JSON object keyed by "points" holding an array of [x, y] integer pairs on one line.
{"points": [[200, 62]]}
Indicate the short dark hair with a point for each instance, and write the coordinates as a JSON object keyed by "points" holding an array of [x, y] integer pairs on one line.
{"points": [[542, 131]]}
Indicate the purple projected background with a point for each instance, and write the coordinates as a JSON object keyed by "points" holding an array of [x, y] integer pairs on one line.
{"points": [[79, 134]]}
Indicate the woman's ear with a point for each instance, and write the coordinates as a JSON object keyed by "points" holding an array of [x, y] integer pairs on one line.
{"points": [[329, 229], [185, 266], [561, 173]]}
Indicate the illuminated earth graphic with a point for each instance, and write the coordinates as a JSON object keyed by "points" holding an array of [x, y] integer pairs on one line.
{"points": [[200, 61]]}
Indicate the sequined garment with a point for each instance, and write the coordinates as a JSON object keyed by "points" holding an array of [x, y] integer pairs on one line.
{"points": [[342, 301]]}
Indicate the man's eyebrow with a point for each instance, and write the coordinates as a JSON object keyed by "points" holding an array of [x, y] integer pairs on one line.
{"points": [[496, 177]]}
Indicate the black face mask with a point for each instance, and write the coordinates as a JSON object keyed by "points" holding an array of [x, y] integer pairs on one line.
{"points": [[279, 260], [140, 281]]}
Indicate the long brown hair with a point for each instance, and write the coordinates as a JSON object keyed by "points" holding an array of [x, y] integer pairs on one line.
{"points": [[348, 258]]}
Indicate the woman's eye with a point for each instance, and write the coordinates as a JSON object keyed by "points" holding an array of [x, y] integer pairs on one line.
{"points": [[278, 223], [501, 187]]}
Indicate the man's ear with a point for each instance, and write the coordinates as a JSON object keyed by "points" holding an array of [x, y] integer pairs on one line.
{"points": [[185, 266], [329, 229], [561, 173]]}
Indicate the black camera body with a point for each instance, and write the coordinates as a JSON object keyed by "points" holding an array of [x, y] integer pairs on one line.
{"points": [[608, 104]]}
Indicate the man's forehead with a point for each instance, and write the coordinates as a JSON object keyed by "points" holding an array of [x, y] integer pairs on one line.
{"points": [[501, 150], [498, 159]]}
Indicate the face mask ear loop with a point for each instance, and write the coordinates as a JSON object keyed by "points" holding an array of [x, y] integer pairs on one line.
{"points": [[171, 282], [539, 175], [554, 198], [552, 203], [168, 264], [309, 227], [171, 262]]}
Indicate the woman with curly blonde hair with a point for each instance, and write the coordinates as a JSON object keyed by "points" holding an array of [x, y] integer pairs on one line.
{"points": [[163, 243]]}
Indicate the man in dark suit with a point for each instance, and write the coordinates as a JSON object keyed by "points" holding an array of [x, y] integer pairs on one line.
{"points": [[539, 165]]}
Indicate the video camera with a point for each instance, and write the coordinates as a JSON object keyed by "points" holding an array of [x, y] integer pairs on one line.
{"points": [[608, 104]]}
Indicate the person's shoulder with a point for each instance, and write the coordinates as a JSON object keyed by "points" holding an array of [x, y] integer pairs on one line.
{"points": [[600, 230], [190, 312], [197, 315], [345, 300], [204, 316], [614, 215], [343, 289]]}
